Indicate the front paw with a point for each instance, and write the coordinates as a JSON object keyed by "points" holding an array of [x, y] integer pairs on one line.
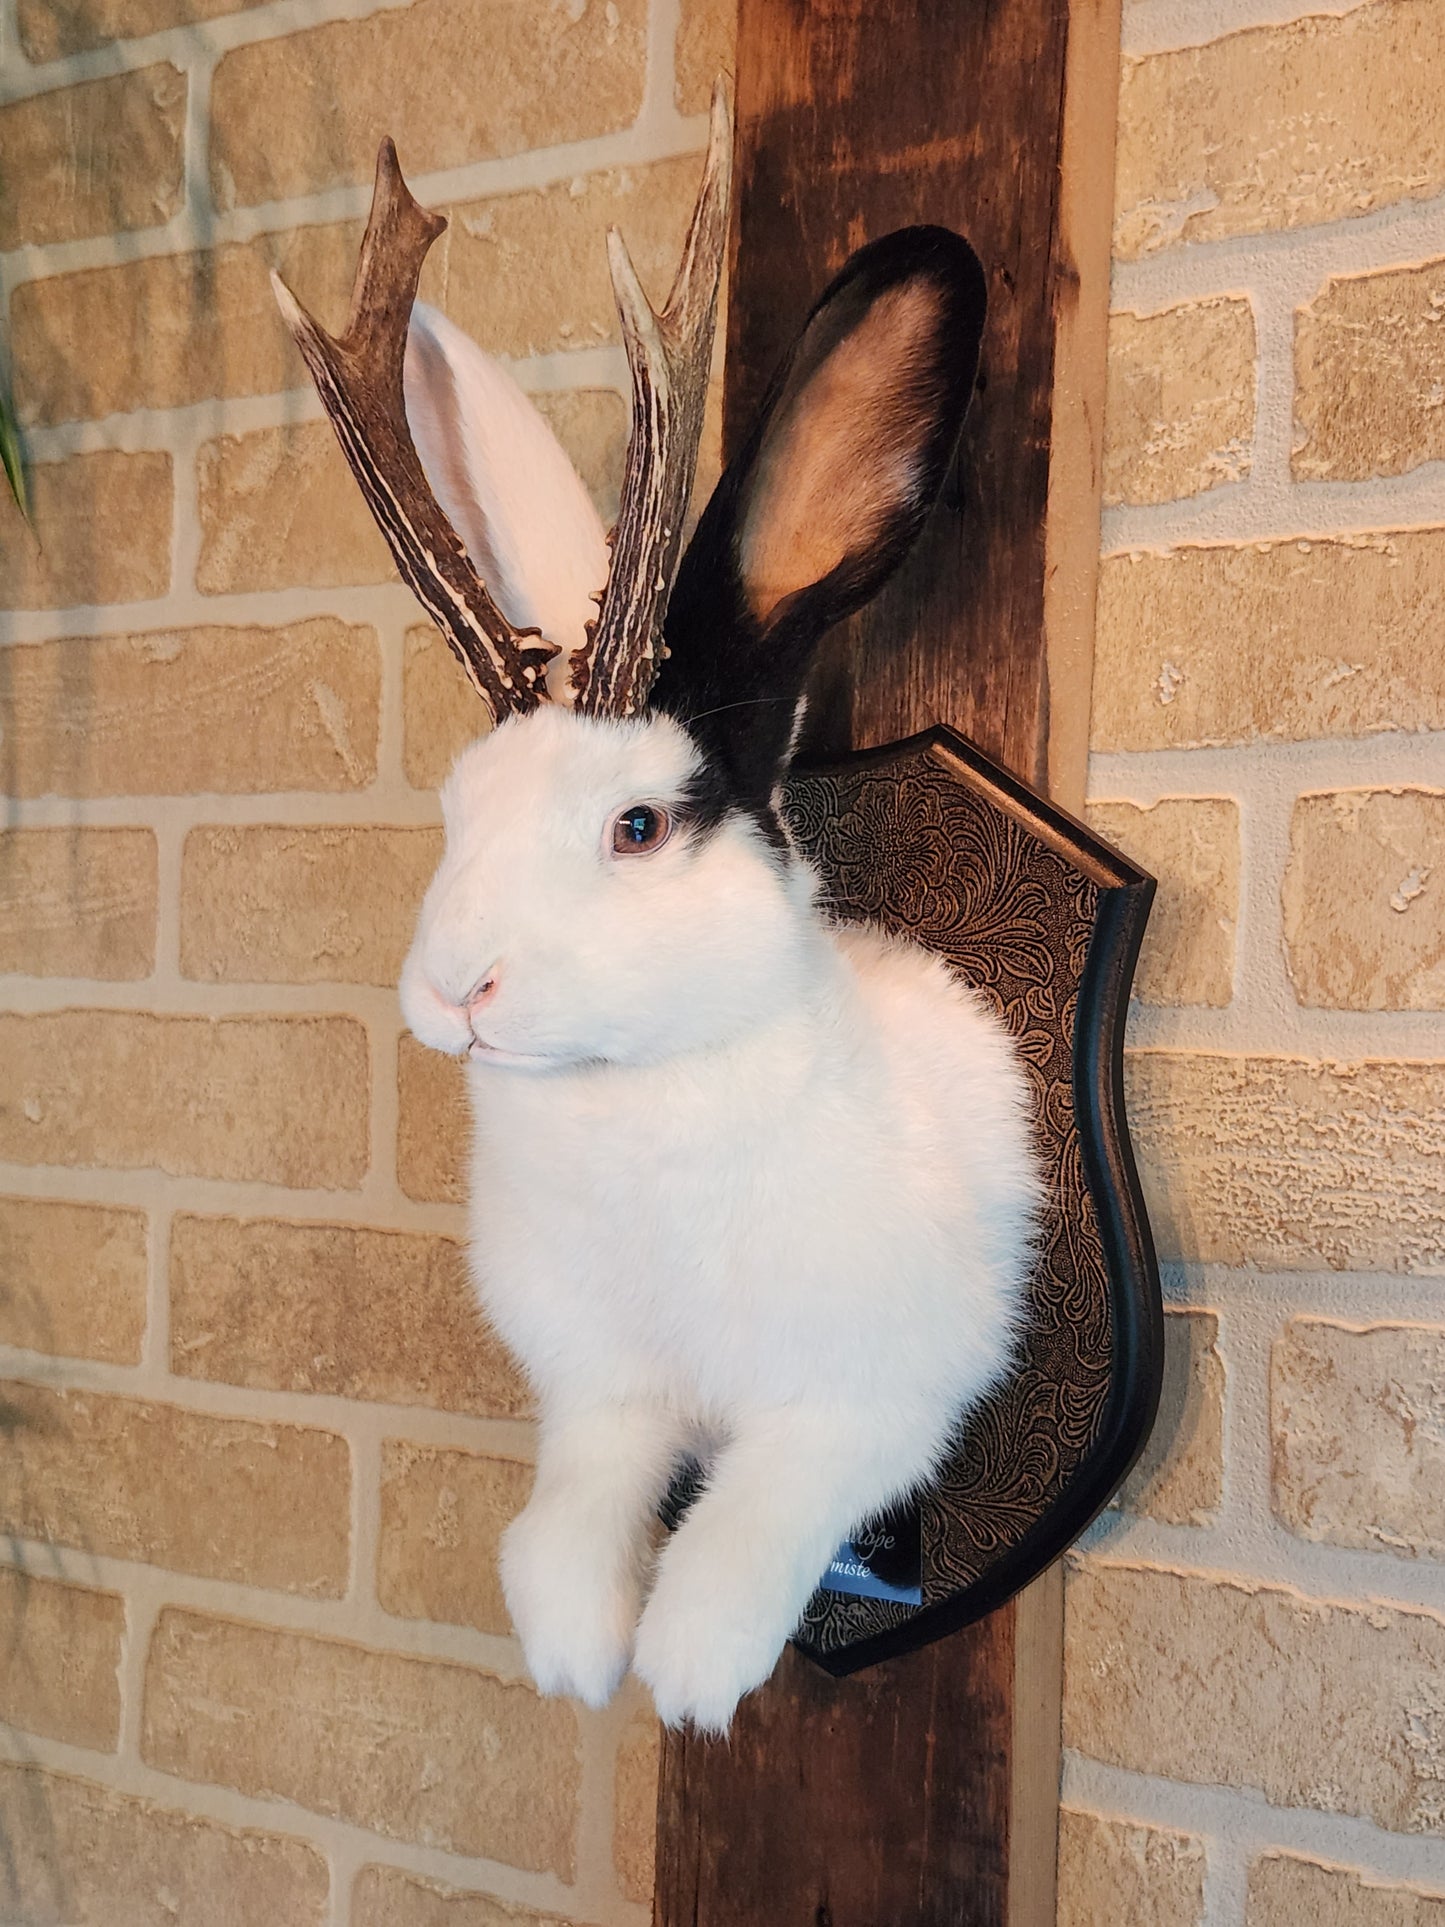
{"points": [[699, 1649], [574, 1611]]}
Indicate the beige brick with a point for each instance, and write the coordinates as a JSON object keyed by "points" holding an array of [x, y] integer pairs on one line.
{"points": [[1281, 127], [62, 1648], [302, 905], [442, 712], [99, 531], [383, 1315], [1191, 844], [442, 1517], [1357, 1421], [1127, 1875], [102, 156], [433, 1124], [591, 424], [1179, 416], [79, 1854], [172, 329], [74, 1279], [1234, 1683], [192, 710], [280, 1100], [78, 903], [1367, 375], [1364, 900], [706, 46], [280, 509], [296, 115], [1301, 638], [262, 1504], [387, 1897], [47, 31], [1180, 1475], [1283, 1162], [634, 1821], [526, 273], [1285, 1891], [442, 1755]]}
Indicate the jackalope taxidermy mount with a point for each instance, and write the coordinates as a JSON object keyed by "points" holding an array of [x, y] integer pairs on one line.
{"points": [[748, 1188]]}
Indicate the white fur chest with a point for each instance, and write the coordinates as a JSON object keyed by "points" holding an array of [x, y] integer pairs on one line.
{"points": [[764, 1223]]}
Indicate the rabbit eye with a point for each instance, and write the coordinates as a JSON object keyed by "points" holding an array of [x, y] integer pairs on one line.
{"points": [[641, 827]]}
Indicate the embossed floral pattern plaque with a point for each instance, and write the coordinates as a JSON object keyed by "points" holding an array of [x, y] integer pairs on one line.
{"points": [[930, 838]]}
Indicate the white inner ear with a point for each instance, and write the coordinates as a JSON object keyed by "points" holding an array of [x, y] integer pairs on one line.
{"points": [[506, 485], [841, 457]]}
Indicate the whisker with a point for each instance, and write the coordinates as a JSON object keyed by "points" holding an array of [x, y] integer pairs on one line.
{"points": [[745, 702]]}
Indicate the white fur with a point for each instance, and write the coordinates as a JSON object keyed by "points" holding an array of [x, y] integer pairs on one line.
{"points": [[743, 1185]]}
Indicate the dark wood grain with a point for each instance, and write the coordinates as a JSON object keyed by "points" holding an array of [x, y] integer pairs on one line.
{"points": [[855, 1803], [887, 1799]]}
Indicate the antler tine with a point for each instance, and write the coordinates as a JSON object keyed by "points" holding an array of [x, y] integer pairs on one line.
{"points": [[360, 381], [669, 355]]}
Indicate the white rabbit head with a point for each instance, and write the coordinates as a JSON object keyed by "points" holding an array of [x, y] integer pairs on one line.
{"points": [[616, 883], [593, 903]]}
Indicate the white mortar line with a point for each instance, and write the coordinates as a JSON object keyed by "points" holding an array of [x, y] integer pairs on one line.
{"points": [[352, 1418], [365, 1525], [1387, 759], [1239, 1545], [191, 425], [1293, 261], [1166, 26], [391, 744], [1250, 1824], [191, 40], [1355, 1296], [196, 205], [138, 1186], [596, 1879], [190, 231], [144, 1598], [379, 806], [339, 1840], [156, 1339], [1274, 510]]}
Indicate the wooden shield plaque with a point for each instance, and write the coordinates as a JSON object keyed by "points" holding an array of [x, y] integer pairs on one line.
{"points": [[930, 838]]}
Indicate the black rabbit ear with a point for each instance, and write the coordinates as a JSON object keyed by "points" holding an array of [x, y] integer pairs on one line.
{"points": [[822, 504]]}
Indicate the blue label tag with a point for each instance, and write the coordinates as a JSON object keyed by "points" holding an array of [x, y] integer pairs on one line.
{"points": [[880, 1561]]}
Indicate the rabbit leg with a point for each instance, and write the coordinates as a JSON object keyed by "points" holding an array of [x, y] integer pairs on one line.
{"points": [[732, 1584], [573, 1559]]}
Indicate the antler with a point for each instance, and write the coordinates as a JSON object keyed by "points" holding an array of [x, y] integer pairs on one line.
{"points": [[359, 379], [669, 355]]}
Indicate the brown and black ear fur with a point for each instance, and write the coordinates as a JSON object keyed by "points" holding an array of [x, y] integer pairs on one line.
{"points": [[822, 503]]}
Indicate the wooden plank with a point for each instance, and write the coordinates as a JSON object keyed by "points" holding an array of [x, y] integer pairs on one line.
{"points": [[920, 1793], [848, 1803], [856, 117]]}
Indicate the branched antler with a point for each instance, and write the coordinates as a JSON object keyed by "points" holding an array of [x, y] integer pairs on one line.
{"points": [[670, 355], [359, 379]]}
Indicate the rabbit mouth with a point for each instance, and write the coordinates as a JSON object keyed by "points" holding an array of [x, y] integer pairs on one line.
{"points": [[480, 1052]]}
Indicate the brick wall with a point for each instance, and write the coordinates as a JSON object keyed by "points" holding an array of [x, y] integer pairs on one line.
{"points": [[256, 1448], [1255, 1677], [256, 1451]]}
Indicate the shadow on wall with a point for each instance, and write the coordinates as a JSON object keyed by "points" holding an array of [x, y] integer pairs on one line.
{"points": [[32, 1870]]}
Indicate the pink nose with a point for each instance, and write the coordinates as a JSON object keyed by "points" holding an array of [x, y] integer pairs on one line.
{"points": [[482, 992]]}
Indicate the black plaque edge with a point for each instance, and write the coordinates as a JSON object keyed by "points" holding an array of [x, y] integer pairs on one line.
{"points": [[1126, 893]]}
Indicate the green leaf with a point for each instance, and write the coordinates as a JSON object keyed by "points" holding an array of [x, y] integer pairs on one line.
{"points": [[11, 457]]}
